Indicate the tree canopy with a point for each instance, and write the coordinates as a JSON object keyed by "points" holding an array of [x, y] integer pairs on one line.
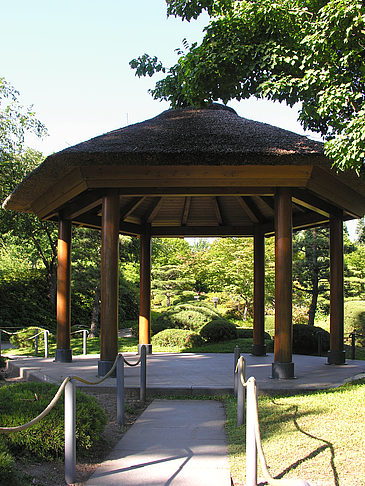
{"points": [[306, 51]]}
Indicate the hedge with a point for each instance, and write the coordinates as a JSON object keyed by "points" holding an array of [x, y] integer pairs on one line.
{"points": [[177, 337]]}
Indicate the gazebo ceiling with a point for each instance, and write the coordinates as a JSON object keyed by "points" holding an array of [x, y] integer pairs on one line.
{"points": [[191, 172]]}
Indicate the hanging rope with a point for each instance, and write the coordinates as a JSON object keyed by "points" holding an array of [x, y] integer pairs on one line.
{"points": [[8, 430], [265, 471]]}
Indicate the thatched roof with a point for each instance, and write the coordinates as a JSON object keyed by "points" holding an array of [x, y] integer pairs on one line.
{"points": [[209, 137]]}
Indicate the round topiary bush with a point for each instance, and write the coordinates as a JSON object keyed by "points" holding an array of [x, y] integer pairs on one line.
{"points": [[218, 330], [21, 402], [247, 333], [177, 337], [305, 339], [201, 307], [183, 316]]}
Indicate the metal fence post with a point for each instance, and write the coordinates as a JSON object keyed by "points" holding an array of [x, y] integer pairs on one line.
{"points": [[36, 342], [143, 375], [120, 390], [70, 432], [319, 343], [240, 395], [235, 375], [46, 353], [352, 336], [84, 345], [251, 448]]}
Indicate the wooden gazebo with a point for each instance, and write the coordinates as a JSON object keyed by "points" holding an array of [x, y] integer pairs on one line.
{"points": [[205, 172]]}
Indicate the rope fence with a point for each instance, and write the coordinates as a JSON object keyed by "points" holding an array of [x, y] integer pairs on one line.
{"points": [[247, 406], [68, 386], [45, 333]]}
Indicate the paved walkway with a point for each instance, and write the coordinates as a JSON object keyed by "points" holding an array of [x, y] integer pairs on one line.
{"points": [[182, 442], [177, 443]]}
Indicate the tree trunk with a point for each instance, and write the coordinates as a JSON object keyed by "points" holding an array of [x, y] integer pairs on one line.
{"points": [[94, 327]]}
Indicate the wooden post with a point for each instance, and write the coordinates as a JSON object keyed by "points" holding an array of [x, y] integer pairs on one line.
{"points": [[283, 366], [336, 354], [63, 351], [109, 282], [259, 347], [145, 291]]}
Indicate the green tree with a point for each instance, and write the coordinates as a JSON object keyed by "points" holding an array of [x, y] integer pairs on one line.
{"points": [[311, 265], [15, 121], [36, 240], [306, 51]]}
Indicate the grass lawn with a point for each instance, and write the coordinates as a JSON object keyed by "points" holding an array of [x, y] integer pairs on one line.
{"points": [[316, 436], [131, 344]]}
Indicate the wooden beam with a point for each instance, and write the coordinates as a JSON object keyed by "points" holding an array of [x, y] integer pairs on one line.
{"points": [[145, 287], [154, 210], [109, 279], [63, 351], [192, 176], [250, 209], [128, 209], [63, 191], [82, 204], [218, 211], [181, 231], [185, 215], [312, 202], [336, 354], [233, 190], [329, 187], [259, 348], [283, 366]]}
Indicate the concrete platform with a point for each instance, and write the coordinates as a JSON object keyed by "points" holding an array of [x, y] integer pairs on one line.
{"points": [[182, 442], [192, 373]]}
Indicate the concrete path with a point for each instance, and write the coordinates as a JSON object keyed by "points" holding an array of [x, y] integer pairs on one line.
{"points": [[182, 442], [195, 374], [177, 443]]}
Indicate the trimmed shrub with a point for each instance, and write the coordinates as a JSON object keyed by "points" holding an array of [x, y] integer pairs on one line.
{"points": [[178, 337], [305, 339], [183, 316], [201, 307], [247, 333], [218, 330], [21, 402]]}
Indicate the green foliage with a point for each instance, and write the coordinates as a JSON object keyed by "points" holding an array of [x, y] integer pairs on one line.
{"points": [[355, 320], [191, 316], [24, 300], [15, 120], [354, 277], [177, 337], [22, 402], [22, 339], [170, 284], [218, 330], [247, 333], [179, 319], [305, 339], [7, 465], [291, 50]]}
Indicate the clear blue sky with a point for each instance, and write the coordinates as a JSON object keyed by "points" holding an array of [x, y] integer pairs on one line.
{"points": [[70, 59]]}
